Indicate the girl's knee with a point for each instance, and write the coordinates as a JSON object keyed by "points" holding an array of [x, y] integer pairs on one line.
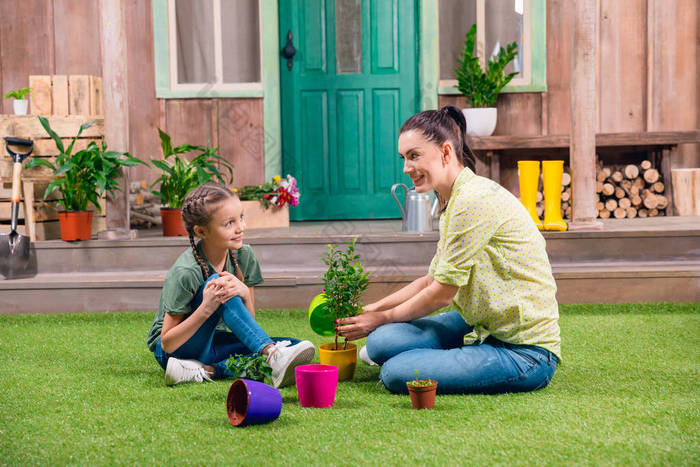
{"points": [[394, 376]]}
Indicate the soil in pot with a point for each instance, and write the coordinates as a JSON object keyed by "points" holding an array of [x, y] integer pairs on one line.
{"points": [[344, 359]]}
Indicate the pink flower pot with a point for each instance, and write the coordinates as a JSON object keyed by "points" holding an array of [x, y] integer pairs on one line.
{"points": [[316, 385]]}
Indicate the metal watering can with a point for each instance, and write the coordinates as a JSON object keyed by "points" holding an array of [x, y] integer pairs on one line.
{"points": [[416, 215]]}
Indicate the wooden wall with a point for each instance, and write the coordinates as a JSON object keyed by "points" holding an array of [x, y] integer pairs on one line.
{"points": [[647, 73], [45, 37], [648, 67]]}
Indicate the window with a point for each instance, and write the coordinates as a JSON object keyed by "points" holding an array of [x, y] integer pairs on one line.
{"points": [[499, 22], [208, 48]]}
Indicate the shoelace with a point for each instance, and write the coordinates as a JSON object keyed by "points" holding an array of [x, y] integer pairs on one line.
{"points": [[278, 345], [196, 374]]}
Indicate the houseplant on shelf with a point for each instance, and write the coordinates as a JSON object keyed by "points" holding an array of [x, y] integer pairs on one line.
{"points": [[422, 392], [344, 283], [180, 175], [267, 205], [481, 87], [82, 178], [20, 104]]}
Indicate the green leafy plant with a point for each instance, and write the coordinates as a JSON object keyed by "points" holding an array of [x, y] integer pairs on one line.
{"points": [[181, 175], [19, 93], [420, 383], [252, 367], [344, 282], [85, 176], [481, 88]]}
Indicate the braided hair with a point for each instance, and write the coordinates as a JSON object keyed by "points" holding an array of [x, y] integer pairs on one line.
{"points": [[439, 126], [197, 210]]}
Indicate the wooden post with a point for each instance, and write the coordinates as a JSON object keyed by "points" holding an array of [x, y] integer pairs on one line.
{"points": [[116, 111], [583, 117]]}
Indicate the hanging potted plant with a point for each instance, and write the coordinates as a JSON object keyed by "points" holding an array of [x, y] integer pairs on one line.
{"points": [[422, 392], [82, 178], [481, 87], [180, 175], [20, 104], [344, 283]]}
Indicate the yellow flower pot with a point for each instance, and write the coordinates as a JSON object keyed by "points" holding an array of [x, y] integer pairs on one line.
{"points": [[344, 359]]}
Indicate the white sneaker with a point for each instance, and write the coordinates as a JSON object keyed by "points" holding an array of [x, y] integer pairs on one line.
{"points": [[182, 371], [285, 358], [364, 356]]}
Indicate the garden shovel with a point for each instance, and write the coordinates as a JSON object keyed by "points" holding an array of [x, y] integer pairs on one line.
{"points": [[14, 248]]}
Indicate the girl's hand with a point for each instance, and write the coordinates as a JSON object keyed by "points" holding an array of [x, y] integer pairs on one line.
{"points": [[210, 299], [357, 327], [231, 286]]}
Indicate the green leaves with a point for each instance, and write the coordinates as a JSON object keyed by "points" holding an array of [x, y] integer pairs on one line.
{"points": [[19, 93], [481, 88], [84, 177], [180, 175], [345, 280], [252, 367]]}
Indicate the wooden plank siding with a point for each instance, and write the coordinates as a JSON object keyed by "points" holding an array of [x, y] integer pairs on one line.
{"points": [[648, 64]]}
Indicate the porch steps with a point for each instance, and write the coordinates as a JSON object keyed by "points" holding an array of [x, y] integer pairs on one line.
{"points": [[646, 262]]}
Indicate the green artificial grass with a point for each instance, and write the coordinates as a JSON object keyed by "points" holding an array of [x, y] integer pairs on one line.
{"points": [[83, 389]]}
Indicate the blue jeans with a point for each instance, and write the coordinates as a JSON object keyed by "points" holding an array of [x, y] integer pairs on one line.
{"points": [[213, 347], [434, 347]]}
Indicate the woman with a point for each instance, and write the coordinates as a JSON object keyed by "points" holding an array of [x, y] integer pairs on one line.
{"points": [[491, 264]]}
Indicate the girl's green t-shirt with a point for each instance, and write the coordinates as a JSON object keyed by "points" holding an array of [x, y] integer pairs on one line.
{"points": [[184, 279]]}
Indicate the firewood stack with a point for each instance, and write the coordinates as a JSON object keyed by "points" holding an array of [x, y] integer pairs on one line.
{"points": [[630, 191], [565, 197], [145, 206]]}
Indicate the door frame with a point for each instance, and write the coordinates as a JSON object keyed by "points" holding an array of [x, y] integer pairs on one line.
{"points": [[428, 74]]}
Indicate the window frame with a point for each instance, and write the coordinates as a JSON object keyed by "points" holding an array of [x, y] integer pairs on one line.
{"points": [[534, 77], [165, 55]]}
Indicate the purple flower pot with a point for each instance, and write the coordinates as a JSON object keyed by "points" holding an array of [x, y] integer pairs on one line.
{"points": [[252, 403]]}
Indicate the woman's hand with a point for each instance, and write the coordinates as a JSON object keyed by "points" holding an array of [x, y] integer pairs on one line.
{"points": [[230, 286], [210, 298], [357, 327]]}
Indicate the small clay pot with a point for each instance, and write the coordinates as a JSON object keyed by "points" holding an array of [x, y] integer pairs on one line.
{"points": [[173, 226], [422, 397], [75, 225]]}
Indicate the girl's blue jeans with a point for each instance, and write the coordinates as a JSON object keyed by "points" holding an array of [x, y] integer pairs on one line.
{"points": [[213, 347], [434, 347]]}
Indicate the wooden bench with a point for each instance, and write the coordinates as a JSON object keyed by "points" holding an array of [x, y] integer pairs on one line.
{"points": [[659, 147]]}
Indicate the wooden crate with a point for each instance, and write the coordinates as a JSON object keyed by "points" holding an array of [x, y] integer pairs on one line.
{"points": [[66, 95], [28, 126]]}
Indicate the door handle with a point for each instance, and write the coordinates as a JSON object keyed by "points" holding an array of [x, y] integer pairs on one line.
{"points": [[288, 51]]}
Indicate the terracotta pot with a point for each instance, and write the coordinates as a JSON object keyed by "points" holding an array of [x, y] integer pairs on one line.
{"points": [[172, 222], [344, 359], [422, 397], [75, 225]]}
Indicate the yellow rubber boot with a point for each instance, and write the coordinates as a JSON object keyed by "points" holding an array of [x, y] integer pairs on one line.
{"points": [[551, 180], [529, 177]]}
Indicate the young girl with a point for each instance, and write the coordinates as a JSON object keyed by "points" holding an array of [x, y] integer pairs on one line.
{"points": [[209, 287], [491, 265]]}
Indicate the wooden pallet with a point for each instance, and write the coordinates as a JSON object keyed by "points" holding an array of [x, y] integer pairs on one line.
{"points": [[66, 95]]}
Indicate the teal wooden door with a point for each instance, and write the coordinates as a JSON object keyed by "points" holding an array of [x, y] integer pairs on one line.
{"points": [[352, 83]]}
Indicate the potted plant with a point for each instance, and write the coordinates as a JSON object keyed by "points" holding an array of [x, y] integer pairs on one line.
{"points": [[344, 283], [481, 87], [180, 175], [20, 104], [253, 367], [266, 205], [82, 178], [422, 392]]}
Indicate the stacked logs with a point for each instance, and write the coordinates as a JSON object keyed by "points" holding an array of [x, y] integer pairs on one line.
{"points": [[565, 197], [145, 206], [630, 191]]}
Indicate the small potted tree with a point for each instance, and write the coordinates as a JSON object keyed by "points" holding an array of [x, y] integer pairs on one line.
{"points": [[20, 104], [481, 87], [422, 392], [345, 281], [82, 178], [180, 175]]}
